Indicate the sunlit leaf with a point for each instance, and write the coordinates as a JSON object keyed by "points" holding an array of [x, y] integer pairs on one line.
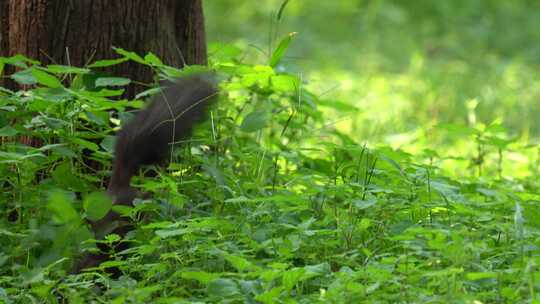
{"points": [[282, 47]]}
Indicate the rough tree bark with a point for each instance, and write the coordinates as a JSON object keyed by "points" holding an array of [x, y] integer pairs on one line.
{"points": [[77, 32]]}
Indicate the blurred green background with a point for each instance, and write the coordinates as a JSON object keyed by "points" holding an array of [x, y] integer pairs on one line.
{"points": [[405, 65]]}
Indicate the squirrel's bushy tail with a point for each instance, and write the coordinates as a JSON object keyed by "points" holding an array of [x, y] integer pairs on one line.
{"points": [[146, 138]]}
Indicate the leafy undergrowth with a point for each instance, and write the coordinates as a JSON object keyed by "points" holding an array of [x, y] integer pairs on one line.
{"points": [[267, 203]]}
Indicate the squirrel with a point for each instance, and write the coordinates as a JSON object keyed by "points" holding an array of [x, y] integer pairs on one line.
{"points": [[145, 140]]}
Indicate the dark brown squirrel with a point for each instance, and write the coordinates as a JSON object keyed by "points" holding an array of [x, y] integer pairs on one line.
{"points": [[146, 139]]}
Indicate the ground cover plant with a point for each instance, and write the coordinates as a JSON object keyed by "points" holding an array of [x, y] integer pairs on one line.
{"points": [[267, 203]]}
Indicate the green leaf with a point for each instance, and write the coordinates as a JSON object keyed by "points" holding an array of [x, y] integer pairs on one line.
{"points": [[364, 204], [110, 264], [108, 143], [19, 61], [240, 263], [270, 296], [292, 277], [64, 176], [24, 77], [223, 53], [130, 55], [280, 50], [85, 144], [97, 205], [123, 210], [112, 81], [149, 92], [223, 288], [172, 232], [201, 276], [46, 79], [285, 83], [65, 69], [152, 59], [62, 150], [8, 131], [13, 157], [254, 121], [107, 62], [60, 205]]}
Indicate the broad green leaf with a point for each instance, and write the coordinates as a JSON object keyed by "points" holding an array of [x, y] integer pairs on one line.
{"points": [[11, 157], [19, 61], [364, 204], [100, 118], [223, 53], [474, 276], [223, 288], [8, 131], [110, 264], [285, 83], [152, 59], [63, 150], [108, 143], [240, 263], [316, 270], [123, 210], [24, 77], [64, 176], [97, 205], [215, 172], [270, 296], [85, 143], [254, 121], [46, 79], [60, 205], [291, 277], [201, 276]]}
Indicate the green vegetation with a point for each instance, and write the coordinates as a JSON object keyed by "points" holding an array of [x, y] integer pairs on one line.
{"points": [[416, 181], [406, 65]]}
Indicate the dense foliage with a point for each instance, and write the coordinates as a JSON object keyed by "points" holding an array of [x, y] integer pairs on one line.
{"points": [[406, 64], [274, 200], [268, 202]]}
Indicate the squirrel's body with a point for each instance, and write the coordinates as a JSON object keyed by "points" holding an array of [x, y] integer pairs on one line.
{"points": [[146, 139]]}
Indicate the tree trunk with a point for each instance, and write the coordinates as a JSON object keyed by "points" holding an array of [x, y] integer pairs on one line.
{"points": [[78, 32]]}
